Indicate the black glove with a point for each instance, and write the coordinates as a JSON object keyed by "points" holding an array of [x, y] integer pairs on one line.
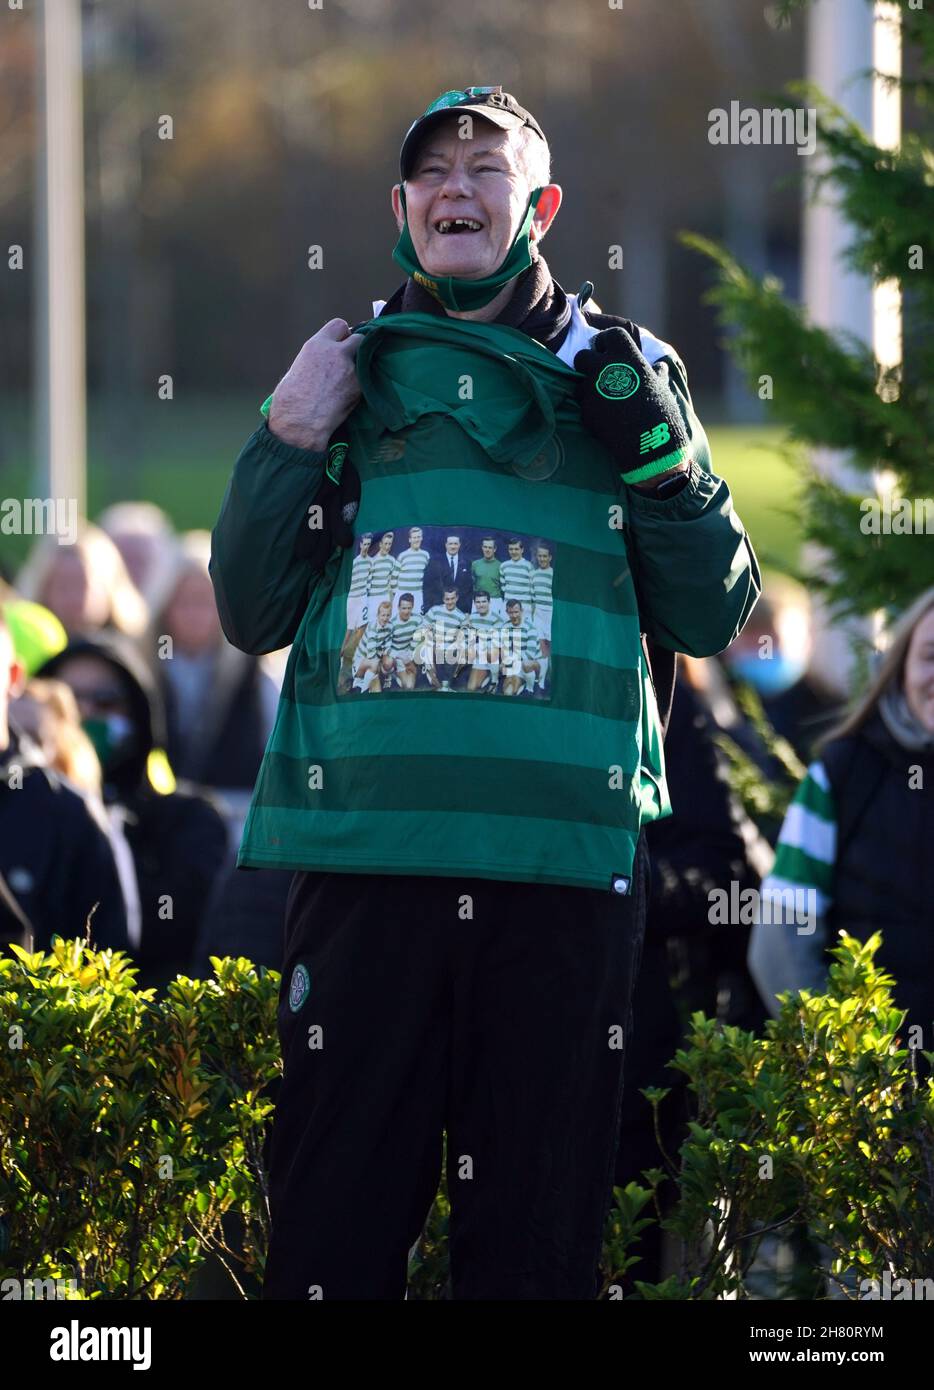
{"points": [[626, 407], [339, 499]]}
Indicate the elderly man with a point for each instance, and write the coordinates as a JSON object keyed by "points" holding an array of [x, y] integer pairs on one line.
{"points": [[466, 916]]}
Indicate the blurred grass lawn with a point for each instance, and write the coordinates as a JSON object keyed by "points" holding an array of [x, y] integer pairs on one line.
{"points": [[185, 451]]}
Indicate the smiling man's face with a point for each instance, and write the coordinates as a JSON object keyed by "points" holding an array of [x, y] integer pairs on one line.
{"points": [[466, 199]]}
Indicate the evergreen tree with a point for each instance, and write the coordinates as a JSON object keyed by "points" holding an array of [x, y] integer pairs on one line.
{"points": [[827, 388]]}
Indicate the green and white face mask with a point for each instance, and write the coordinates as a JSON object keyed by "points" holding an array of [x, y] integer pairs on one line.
{"points": [[454, 292]]}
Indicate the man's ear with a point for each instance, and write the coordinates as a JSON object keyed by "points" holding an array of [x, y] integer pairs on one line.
{"points": [[397, 206], [549, 201]]}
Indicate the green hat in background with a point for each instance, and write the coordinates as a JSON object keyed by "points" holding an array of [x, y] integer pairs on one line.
{"points": [[37, 633]]}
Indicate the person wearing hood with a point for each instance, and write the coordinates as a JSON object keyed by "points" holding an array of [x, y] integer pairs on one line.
{"points": [[170, 844], [854, 852], [56, 864]]}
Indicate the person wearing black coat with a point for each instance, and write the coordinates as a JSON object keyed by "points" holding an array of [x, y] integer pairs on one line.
{"points": [[177, 840], [855, 846], [884, 871], [56, 865], [246, 917], [227, 755], [687, 963]]}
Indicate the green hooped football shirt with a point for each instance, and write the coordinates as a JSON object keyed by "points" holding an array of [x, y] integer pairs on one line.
{"points": [[509, 748]]}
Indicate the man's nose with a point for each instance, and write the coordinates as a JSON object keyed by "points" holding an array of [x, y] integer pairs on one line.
{"points": [[457, 182]]}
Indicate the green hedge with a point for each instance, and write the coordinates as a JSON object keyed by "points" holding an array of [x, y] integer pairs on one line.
{"points": [[131, 1124], [132, 1129]]}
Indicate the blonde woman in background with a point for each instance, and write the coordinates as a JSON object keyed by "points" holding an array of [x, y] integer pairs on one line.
{"points": [[855, 849], [86, 585]]}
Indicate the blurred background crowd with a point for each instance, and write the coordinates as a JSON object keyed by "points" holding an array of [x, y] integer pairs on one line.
{"points": [[126, 687]]}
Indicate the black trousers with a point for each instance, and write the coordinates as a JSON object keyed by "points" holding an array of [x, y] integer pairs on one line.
{"points": [[494, 1011]]}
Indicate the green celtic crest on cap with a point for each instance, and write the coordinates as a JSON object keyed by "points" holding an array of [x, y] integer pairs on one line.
{"points": [[298, 988], [617, 381]]}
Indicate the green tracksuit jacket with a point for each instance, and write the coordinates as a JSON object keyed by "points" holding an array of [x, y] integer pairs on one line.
{"points": [[469, 432]]}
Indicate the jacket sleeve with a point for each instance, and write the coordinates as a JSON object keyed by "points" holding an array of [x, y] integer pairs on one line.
{"points": [[261, 585], [695, 570], [787, 948]]}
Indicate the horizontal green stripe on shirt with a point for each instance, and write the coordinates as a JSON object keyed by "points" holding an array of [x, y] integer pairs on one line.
{"points": [[485, 500], [373, 725], [489, 845], [410, 781], [397, 454]]}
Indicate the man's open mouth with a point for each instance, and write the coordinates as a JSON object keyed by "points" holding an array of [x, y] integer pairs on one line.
{"points": [[449, 225]]}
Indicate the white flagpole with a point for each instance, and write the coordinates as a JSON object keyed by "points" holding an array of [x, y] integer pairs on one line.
{"points": [[846, 38], [61, 431]]}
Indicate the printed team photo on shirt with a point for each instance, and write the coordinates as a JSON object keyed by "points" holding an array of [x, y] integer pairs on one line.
{"points": [[449, 608]]}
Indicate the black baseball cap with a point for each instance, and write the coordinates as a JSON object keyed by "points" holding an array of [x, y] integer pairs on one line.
{"points": [[492, 103]]}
